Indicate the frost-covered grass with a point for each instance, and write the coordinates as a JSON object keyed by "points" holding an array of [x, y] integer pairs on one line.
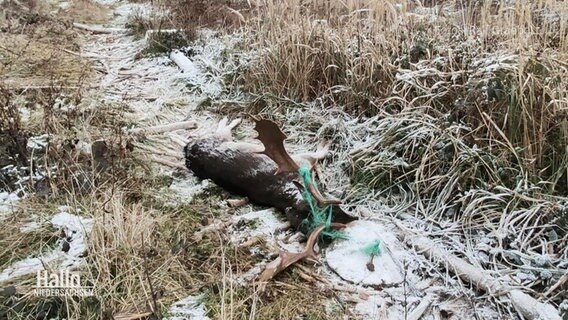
{"points": [[496, 68], [68, 145], [454, 111], [447, 113]]}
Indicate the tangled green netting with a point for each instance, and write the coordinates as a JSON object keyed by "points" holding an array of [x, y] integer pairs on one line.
{"points": [[373, 248], [320, 216], [323, 216]]}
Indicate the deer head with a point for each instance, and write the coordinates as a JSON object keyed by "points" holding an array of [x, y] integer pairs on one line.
{"points": [[273, 140]]}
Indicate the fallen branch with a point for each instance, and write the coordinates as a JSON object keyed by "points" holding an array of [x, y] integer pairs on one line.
{"points": [[97, 29], [183, 62], [558, 284], [419, 311], [164, 128], [528, 306]]}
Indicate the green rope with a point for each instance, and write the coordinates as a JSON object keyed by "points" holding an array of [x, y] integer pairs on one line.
{"points": [[320, 216], [373, 249], [323, 216]]}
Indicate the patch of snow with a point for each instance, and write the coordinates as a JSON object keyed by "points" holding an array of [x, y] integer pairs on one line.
{"points": [[75, 229], [7, 202], [189, 308], [126, 10], [186, 189], [370, 308], [266, 223], [64, 5], [348, 260], [25, 114], [106, 2]]}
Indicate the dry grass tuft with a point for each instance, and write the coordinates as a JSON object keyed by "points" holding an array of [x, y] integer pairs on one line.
{"points": [[353, 50], [18, 243], [87, 11], [228, 14], [130, 260], [497, 70]]}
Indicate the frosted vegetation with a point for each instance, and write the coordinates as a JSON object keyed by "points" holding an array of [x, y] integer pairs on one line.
{"points": [[448, 123]]}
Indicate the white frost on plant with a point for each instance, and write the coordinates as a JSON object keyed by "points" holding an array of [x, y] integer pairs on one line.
{"points": [[210, 61], [38, 142], [76, 229], [189, 308]]}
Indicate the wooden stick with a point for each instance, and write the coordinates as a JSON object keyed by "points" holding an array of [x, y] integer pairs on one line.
{"points": [[417, 313], [168, 163], [528, 306], [97, 29], [559, 283], [165, 128]]}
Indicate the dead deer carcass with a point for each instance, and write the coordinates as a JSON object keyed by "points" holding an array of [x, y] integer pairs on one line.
{"points": [[266, 175]]}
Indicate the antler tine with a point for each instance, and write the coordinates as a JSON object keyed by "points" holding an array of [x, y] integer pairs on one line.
{"points": [[286, 259], [320, 199], [273, 140], [317, 195]]}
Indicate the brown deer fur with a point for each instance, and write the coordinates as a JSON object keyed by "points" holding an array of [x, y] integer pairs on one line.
{"points": [[249, 170]]}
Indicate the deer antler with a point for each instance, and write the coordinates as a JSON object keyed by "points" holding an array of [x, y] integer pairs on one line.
{"points": [[286, 259], [316, 194], [273, 140]]}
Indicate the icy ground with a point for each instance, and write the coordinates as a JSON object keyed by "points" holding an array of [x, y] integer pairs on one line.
{"points": [[75, 229]]}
